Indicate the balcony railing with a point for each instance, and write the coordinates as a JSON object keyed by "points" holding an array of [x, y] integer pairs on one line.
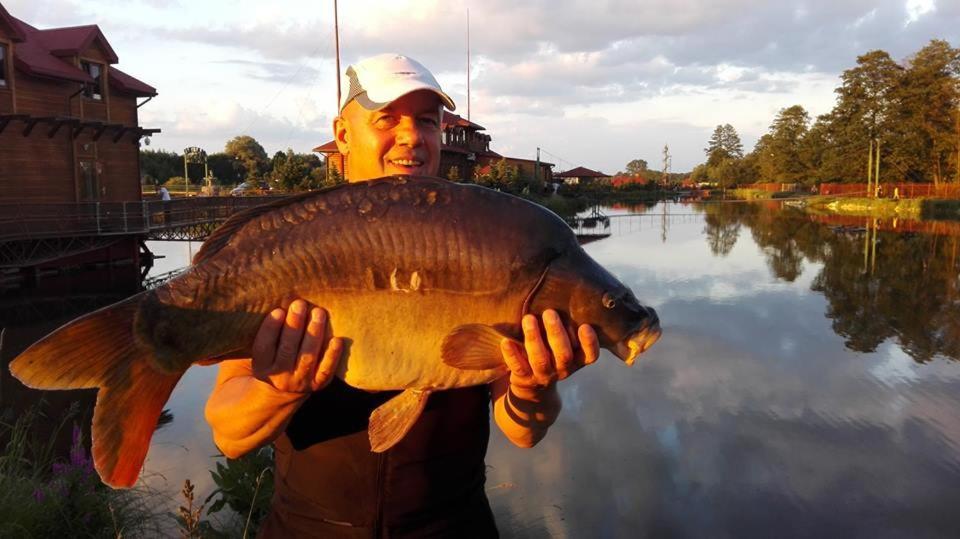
{"points": [[35, 221]]}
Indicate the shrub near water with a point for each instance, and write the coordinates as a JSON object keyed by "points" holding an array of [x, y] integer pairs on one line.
{"points": [[42, 495]]}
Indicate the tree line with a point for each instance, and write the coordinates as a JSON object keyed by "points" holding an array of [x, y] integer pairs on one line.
{"points": [[242, 159], [910, 110]]}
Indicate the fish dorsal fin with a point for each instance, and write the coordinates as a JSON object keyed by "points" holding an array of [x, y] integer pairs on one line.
{"points": [[221, 236]]}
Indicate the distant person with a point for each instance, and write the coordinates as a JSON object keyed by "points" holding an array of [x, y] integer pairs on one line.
{"points": [[328, 483], [165, 198]]}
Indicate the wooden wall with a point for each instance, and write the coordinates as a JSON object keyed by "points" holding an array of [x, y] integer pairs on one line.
{"points": [[123, 109], [46, 97], [121, 167], [36, 168], [41, 169]]}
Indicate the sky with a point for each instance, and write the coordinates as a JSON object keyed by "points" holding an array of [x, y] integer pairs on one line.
{"points": [[593, 83]]}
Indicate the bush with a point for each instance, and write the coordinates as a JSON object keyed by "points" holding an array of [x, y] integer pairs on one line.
{"points": [[46, 495]]}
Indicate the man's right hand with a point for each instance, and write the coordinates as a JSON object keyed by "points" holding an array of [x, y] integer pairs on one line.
{"points": [[293, 351]]}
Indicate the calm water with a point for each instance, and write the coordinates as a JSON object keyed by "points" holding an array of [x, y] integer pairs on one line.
{"points": [[806, 384]]}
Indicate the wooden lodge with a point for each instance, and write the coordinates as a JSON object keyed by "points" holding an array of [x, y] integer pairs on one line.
{"points": [[581, 176], [69, 130], [464, 152], [69, 151]]}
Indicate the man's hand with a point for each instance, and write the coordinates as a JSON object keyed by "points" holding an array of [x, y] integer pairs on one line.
{"points": [[539, 363], [292, 351]]}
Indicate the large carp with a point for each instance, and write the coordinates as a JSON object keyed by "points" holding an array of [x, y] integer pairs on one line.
{"points": [[422, 278]]}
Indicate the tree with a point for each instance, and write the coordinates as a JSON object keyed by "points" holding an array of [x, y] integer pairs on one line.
{"points": [[225, 169], [290, 171], [926, 126], [636, 167], [724, 144], [780, 157], [865, 110], [499, 175], [250, 154], [159, 165]]}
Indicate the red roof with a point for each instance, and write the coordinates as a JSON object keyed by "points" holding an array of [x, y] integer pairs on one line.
{"points": [[329, 147], [74, 40], [454, 120], [581, 172], [130, 85], [11, 24], [39, 53]]}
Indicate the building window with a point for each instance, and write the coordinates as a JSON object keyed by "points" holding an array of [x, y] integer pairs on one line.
{"points": [[3, 65], [93, 91]]}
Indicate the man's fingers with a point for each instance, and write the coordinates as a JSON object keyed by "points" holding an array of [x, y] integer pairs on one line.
{"points": [[290, 337], [589, 343], [328, 365], [265, 343], [513, 356], [559, 341], [309, 353], [537, 353]]}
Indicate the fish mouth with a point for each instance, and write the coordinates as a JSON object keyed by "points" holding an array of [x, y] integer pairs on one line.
{"points": [[638, 342]]}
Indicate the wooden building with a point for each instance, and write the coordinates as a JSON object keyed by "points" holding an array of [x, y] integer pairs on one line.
{"points": [[69, 130], [69, 155], [581, 176], [464, 150]]}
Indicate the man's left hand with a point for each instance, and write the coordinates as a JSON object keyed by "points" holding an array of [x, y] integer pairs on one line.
{"points": [[543, 360]]}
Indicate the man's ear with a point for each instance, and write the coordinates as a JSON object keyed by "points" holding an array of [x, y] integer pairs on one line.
{"points": [[340, 134]]}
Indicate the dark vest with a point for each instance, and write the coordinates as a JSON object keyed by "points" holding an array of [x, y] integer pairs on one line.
{"points": [[431, 484]]}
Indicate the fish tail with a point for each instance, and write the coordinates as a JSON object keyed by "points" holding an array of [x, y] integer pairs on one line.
{"points": [[100, 350]]}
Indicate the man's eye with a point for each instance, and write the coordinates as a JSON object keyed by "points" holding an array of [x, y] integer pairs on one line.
{"points": [[429, 121]]}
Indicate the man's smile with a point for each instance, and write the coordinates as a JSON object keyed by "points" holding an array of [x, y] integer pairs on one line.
{"points": [[406, 163]]}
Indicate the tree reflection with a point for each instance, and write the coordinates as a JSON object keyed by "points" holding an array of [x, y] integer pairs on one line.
{"points": [[878, 284], [722, 225]]}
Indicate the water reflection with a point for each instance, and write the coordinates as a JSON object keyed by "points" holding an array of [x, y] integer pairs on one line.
{"points": [[775, 404], [880, 283], [806, 385]]}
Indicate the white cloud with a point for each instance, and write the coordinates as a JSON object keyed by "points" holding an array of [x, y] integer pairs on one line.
{"points": [[605, 80]]}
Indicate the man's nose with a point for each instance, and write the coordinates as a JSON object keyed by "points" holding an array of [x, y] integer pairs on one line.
{"points": [[408, 132]]}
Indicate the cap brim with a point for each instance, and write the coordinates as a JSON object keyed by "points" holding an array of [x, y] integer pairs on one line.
{"points": [[368, 102]]}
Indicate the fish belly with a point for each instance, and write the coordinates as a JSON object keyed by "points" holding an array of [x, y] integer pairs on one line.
{"points": [[393, 339]]}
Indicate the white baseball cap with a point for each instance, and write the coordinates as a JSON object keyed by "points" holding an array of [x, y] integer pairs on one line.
{"points": [[377, 81]]}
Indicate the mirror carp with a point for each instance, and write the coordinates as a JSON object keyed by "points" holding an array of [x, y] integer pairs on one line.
{"points": [[421, 277]]}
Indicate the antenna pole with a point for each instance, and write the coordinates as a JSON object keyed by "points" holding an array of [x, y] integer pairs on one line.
{"points": [[468, 64], [336, 37]]}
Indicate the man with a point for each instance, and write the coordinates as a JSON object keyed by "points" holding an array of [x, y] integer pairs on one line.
{"points": [[328, 482]]}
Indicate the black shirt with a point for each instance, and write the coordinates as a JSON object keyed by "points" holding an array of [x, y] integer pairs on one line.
{"points": [[431, 484]]}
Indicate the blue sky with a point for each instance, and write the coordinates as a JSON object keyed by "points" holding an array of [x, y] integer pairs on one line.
{"points": [[594, 83]]}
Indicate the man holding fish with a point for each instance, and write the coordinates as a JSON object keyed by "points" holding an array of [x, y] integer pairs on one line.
{"points": [[433, 288], [328, 481]]}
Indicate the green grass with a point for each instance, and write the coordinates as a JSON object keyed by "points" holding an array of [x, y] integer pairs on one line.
{"points": [[883, 208], [43, 494]]}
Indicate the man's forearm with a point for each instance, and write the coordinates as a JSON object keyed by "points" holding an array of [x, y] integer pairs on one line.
{"points": [[524, 415], [245, 413]]}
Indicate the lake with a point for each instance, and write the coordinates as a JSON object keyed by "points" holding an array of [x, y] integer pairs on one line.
{"points": [[806, 384]]}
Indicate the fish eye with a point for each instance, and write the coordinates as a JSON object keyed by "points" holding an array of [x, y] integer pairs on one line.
{"points": [[608, 300]]}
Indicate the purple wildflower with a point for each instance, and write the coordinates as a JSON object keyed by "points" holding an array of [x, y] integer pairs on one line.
{"points": [[38, 495]]}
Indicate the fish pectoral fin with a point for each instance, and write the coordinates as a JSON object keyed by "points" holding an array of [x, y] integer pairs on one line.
{"points": [[473, 347], [391, 421]]}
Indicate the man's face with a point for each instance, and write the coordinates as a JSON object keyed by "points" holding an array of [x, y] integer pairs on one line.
{"points": [[401, 138]]}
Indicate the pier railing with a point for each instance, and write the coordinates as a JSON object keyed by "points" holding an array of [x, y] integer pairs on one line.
{"points": [[37, 221]]}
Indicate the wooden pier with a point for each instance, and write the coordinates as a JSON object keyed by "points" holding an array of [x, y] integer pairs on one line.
{"points": [[31, 234]]}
